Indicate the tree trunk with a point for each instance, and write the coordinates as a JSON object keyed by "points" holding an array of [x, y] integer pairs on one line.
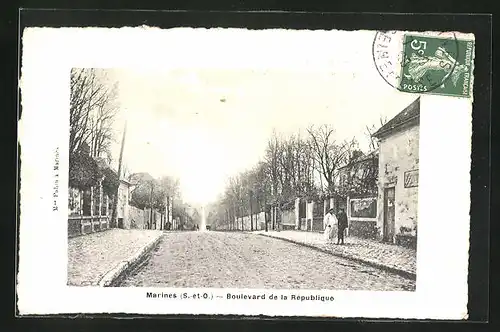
{"points": [[91, 209], [151, 208], [242, 219], [251, 216], [273, 217], [167, 214]]}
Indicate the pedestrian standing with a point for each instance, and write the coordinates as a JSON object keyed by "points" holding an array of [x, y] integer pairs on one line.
{"points": [[342, 222], [329, 224]]}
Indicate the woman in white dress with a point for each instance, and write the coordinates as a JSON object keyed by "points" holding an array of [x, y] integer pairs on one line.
{"points": [[329, 226]]}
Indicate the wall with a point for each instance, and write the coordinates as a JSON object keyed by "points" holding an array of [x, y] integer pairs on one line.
{"points": [[258, 221], [398, 154], [158, 219], [288, 218], [137, 218], [364, 223], [123, 207]]}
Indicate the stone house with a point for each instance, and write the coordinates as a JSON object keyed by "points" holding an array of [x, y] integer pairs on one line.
{"points": [[397, 201]]}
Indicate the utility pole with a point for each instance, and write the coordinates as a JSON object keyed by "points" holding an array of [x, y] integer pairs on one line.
{"points": [[114, 217]]}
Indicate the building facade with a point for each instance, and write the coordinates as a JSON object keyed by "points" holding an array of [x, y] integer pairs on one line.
{"points": [[122, 211], [397, 201], [357, 182]]}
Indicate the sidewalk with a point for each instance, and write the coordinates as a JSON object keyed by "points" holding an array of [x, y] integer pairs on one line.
{"points": [[104, 255], [391, 257]]}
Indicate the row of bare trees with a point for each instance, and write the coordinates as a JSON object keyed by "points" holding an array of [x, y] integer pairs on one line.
{"points": [[93, 109], [300, 165]]}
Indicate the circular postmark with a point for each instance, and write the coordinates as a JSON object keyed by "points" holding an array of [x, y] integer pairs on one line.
{"points": [[417, 62]]}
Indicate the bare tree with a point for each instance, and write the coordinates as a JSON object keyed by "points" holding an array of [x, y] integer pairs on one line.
{"points": [[101, 125], [92, 111], [168, 191], [236, 197], [370, 130], [285, 172], [272, 164], [327, 153]]}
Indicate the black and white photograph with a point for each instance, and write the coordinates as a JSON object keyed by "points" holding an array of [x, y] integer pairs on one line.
{"points": [[247, 179], [245, 172]]}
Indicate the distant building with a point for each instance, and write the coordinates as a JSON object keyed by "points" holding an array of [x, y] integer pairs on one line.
{"points": [[398, 176], [359, 176], [123, 204]]}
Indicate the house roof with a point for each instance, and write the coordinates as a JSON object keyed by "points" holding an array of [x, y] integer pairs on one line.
{"points": [[409, 114], [366, 156]]}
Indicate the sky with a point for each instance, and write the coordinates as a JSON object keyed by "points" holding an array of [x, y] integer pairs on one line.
{"points": [[203, 124]]}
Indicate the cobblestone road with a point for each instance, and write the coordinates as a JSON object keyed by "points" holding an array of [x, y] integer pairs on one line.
{"points": [[242, 260]]}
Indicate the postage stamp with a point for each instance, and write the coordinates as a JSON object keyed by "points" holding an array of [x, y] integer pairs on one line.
{"points": [[245, 172], [437, 65], [432, 63]]}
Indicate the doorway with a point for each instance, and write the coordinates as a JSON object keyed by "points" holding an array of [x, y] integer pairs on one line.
{"points": [[389, 214]]}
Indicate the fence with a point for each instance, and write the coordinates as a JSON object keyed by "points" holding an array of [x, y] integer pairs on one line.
{"points": [[81, 225], [309, 215], [258, 220]]}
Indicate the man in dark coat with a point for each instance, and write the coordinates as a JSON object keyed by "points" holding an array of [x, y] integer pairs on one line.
{"points": [[342, 218]]}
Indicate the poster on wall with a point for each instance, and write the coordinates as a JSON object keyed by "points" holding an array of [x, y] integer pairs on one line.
{"points": [[363, 207]]}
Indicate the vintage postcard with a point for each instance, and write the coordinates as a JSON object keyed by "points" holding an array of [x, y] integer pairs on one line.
{"points": [[245, 172]]}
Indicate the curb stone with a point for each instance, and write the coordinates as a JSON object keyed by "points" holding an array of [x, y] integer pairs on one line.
{"points": [[111, 277], [400, 272]]}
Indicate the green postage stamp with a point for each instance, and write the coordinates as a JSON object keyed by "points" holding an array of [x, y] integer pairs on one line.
{"points": [[440, 63], [437, 65]]}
